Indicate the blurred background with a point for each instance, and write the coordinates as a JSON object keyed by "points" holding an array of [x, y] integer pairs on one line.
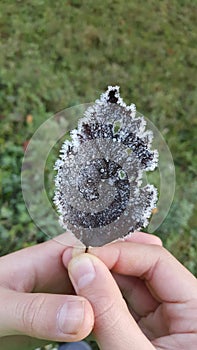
{"points": [[57, 54]]}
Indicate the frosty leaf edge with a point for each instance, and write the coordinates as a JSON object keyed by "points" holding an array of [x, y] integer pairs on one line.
{"points": [[105, 158]]}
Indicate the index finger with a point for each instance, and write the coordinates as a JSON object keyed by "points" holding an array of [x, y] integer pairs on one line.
{"points": [[38, 268], [166, 278]]}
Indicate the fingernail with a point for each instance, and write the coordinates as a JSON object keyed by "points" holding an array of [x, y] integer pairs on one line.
{"points": [[81, 271], [71, 316]]}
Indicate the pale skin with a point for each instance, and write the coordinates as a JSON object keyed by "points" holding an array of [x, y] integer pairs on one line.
{"points": [[158, 311]]}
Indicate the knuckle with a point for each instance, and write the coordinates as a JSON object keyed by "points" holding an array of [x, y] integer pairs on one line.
{"points": [[29, 313], [105, 308], [107, 314]]}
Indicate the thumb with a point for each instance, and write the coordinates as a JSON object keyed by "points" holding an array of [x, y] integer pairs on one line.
{"points": [[114, 326], [45, 316]]}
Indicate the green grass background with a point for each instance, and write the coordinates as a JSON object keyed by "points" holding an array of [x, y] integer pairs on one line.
{"points": [[56, 54]]}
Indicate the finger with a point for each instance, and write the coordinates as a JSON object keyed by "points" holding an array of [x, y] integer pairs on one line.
{"points": [[166, 278], [134, 290], [38, 269], [114, 326], [45, 316], [136, 237], [142, 237], [175, 341]]}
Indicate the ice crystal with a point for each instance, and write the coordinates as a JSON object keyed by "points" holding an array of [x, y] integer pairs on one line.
{"points": [[98, 184]]}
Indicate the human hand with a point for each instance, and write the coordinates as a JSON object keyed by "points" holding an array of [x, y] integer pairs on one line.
{"points": [[33, 282], [160, 311]]}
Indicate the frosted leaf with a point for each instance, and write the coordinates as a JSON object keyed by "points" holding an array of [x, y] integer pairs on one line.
{"points": [[98, 184]]}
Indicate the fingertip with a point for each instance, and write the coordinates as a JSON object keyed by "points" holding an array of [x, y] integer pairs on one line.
{"points": [[70, 253]]}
